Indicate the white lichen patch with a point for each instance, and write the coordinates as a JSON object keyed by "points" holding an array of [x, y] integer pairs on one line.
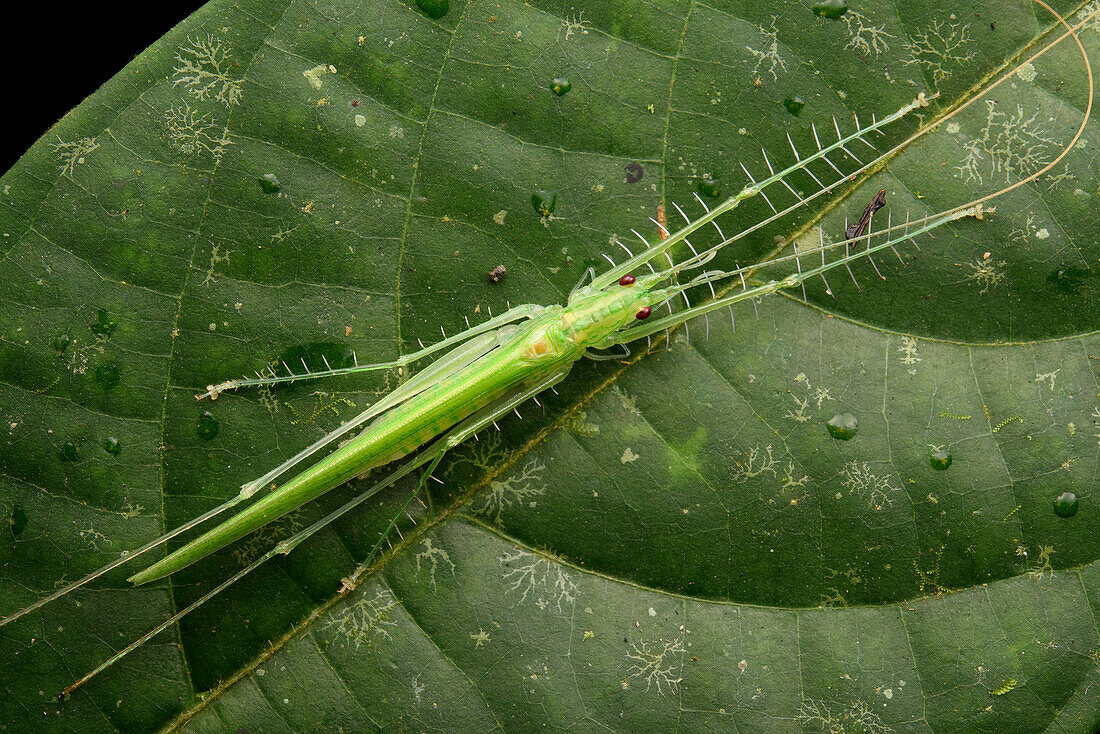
{"points": [[1027, 72], [1012, 144], [192, 133], [538, 580], [939, 47], [660, 663], [368, 616], [986, 272], [628, 457], [216, 257], [432, 558], [73, 153], [864, 37], [840, 718], [203, 70], [768, 53], [316, 75], [909, 353], [573, 25], [520, 489], [874, 489], [759, 461]]}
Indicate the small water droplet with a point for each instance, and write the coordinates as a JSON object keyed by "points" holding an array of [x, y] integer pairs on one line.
{"points": [[709, 187], [270, 183], [794, 105], [104, 325], [1065, 505], [843, 426], [112, 445], [434, 8], [61, 342], [544, 202], [831, 9], [940, 459], [559, 85], [208, 426], [69, 452], [18, 520], [107, 376]]}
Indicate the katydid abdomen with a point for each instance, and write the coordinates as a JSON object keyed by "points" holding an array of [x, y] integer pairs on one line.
{"points": [[544, 345]]}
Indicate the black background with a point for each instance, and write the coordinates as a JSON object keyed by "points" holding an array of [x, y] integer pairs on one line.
{"points": [[56, 54]]}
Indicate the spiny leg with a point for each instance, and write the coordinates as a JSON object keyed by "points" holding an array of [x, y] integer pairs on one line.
{"points": [[518, 313]]}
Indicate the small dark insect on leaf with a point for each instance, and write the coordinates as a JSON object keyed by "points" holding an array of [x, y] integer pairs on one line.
{"points": [[497, 273], [860, 228]]}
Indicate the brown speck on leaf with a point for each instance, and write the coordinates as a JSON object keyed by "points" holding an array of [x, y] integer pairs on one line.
{"points": [[347, 331], [355, 103], [497, 273]]}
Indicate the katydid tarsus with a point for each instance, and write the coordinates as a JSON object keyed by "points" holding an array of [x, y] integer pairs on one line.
{"points": [[488, 370]]}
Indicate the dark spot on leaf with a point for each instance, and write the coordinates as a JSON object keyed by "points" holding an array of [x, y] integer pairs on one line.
{"points": [[634, 172]]}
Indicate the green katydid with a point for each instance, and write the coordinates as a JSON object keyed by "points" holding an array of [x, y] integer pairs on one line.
{"points": [[492, 368]]}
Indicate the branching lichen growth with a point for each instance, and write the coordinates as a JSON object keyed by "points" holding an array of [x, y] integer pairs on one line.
{"points": [[542, 581], [938, 46], [203, 71], [659, 663]]}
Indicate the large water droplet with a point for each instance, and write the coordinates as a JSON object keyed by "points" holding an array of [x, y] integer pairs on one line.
{"points": [[107, 376], [208, 426], [843, 426], [709, 187], [18, 520], [61, 342], [794, 105], [112, 445], [1065, 505], [104, 325], [940, 459], [560, 85], [544, 202], [832, 9], [69, 452], [269, 182], [434, 8]]}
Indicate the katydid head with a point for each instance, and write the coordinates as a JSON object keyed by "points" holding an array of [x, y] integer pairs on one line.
{"points": [[595, 313]]}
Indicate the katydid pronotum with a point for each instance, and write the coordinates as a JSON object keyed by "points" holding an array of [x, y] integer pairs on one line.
{"points": [[490, 369]]}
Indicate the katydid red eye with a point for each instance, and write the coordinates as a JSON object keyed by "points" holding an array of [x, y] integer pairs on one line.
{"points": [[643, 312], [627, 279]]}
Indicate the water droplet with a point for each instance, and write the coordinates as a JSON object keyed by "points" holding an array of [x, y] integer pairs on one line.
{"points": [[794, 105], [544, 202], [832, 9], [1065, 505], [107, 375], [18, 520], [434, 8], [709, 187], [940, 459], [104, 325], [208, 426], [270, 183], [61, 342], [112, 445], [69, 452], [559, 85], [843, 426]]}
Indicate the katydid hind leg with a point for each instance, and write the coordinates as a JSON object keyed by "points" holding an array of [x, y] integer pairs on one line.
{"points": [[432, 455]]}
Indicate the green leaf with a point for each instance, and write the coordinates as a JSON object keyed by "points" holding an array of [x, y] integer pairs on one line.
{"points": [[672, 542]]}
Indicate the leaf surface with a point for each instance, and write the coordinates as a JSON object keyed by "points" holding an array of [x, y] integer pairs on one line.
{"points": [[671, 542]]}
